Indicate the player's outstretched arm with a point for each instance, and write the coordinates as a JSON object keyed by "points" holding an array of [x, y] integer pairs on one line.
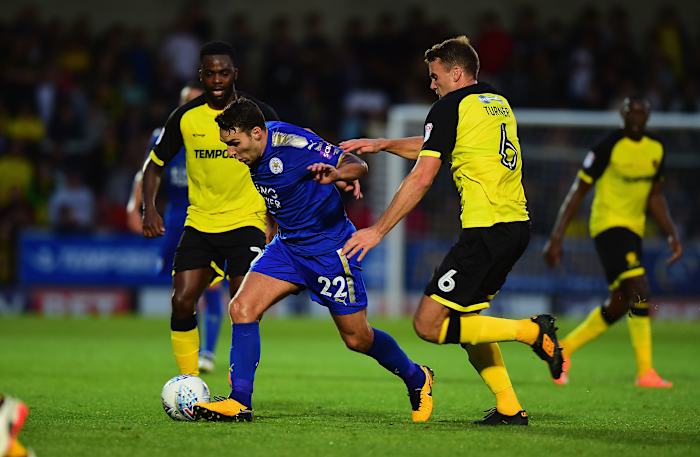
{"points": [[659, 211], [553, 249], [411, 191], [408, 147], [133, 207], [350, 168], [152, 221]]}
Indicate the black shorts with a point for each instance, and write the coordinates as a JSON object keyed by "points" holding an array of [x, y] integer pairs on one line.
{"points": [[620, 252], [231, 252], [477, 265]]}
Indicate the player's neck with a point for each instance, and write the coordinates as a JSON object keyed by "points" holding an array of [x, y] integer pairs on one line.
{"points": [[220, 105], [634, 135], [465, 83]]}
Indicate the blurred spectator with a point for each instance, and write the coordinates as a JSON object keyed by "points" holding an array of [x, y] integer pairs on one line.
{"points": [[494, 45], [82, 98], [180, 50], [282, 70], [72, 206], [16, 173]]}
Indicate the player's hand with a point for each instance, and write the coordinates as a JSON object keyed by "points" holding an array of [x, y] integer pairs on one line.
{"points": [[676, 249], [363, 145], [353, 187], [552, 252], [152, 224], [134, 221], [362, 240], [323, 173]]}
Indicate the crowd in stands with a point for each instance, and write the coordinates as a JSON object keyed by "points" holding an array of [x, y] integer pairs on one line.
{"points": [[78, 105]]}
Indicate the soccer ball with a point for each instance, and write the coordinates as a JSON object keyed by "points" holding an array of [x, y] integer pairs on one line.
{"points": [[180, 394]]}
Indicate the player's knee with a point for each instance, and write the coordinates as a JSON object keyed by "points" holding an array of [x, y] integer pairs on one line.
{"points": [[426, 330], [639, 303], [637, 297], [241, 311], [182, 305], [358, 342], [612, 314]]}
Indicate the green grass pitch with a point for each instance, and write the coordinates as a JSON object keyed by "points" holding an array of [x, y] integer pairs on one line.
{"points": [[93, 386]]}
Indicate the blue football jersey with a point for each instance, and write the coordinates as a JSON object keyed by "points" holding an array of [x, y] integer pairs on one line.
{"points": [[311, 216]]}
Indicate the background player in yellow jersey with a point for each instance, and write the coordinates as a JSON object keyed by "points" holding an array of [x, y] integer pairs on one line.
{"points": [[626, 170], [473, 128], [226, 218]]}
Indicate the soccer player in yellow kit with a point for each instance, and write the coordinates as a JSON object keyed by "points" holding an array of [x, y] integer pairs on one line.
{"points": [[473, 128], [225, 228], [626, 169]]}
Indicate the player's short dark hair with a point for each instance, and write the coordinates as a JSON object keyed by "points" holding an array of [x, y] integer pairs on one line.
{"points": [[455, 51], [217, 48], [241, 114], [636, 100]]}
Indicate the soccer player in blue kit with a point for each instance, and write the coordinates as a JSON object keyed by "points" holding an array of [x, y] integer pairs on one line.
{"points": [[291, 167], [175, 189]]}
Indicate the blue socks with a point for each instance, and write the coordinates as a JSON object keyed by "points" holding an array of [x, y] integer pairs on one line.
{"points": [[243, 360], [389, 354], [212, 319]]}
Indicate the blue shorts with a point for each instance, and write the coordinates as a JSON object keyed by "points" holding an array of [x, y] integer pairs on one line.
{"points": [[333, 280]]}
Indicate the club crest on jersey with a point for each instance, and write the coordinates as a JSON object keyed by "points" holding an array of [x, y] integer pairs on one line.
{"points": [[276, 166], [428, 130]]}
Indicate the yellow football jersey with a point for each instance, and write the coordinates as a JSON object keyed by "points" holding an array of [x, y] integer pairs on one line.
{"points": [[475, 130], [220, 190], [623, 171]]}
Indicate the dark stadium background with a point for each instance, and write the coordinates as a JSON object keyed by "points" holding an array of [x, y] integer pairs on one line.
{"points": [[83, 85]]}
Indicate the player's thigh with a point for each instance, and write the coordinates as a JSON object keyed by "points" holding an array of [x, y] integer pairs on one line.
{"points": [[635, 291], [195, 251], [334, 281], [257, 293], [457, 282], [506, 243], [429, 318], [274, 269], [240, 248], [620, 253], [188, 286]]}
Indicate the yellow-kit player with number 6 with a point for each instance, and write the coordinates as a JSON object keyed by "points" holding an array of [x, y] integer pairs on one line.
{"points": [[471, 127]]}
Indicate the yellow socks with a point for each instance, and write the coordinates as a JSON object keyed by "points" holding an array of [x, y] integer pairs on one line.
{"points": [[640, 335], [588, 330], [186, 350], [475, 329], [487, 360]]}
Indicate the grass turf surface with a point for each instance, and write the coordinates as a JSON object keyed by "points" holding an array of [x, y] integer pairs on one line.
{"points": [[93, 387]]}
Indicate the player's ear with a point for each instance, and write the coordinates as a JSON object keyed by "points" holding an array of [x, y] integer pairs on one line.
{"points": [[235, 73], [456, 73], [256, 133], [199, 74]]}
